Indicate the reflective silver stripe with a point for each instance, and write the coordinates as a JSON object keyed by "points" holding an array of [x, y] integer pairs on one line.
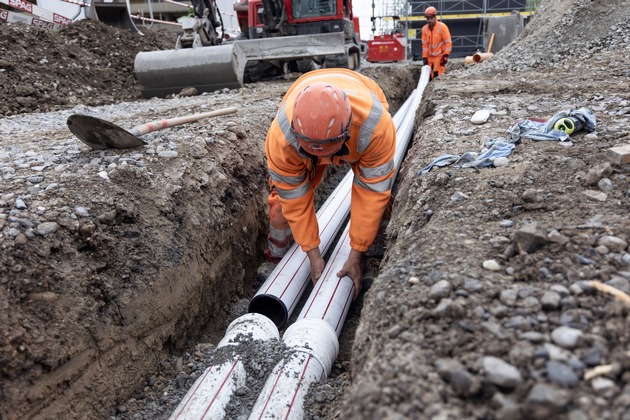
{"points": [[381, 186], [370, 123], [285, 127], [279, 234], [278, 252], [426, 46], [291, 180], [295, 193], [377, 171]]}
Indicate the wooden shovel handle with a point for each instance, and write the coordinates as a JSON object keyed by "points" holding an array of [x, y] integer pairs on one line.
{"points": [[171, 122]]}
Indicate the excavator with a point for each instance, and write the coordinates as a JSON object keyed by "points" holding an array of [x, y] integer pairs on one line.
{"points": [[276, 36]]}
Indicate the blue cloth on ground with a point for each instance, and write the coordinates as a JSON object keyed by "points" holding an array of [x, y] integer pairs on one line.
{"points": [[525, 129], [494, 149]]}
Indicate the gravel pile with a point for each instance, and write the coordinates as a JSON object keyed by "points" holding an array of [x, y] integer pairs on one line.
{"points": [[577, 33]]}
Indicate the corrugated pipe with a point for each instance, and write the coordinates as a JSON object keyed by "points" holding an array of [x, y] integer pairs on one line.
{"points": [[313, 339], [281, 292]]}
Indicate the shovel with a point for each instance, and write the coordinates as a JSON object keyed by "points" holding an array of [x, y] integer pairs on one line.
{"points": [[101, 134]]}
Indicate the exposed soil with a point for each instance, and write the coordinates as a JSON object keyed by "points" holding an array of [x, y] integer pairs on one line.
{"points": [[120, 269], [86, 63]]}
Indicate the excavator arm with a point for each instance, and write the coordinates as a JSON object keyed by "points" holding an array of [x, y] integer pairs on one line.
{"points": [[274, 14], [201, 30]]}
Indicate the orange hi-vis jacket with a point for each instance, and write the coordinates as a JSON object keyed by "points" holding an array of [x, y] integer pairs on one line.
{"points": [[370, 152], [435, 44]]}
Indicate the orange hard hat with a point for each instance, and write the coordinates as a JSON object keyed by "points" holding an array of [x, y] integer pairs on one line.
{"points": [[321, 119], [431, 11]]}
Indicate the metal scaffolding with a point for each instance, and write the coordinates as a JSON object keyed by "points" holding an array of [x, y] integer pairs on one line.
{"points": [[465, 18], [476, 7]]}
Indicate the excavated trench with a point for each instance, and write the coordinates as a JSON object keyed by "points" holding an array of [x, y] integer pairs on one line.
{"points": [[200, 352], [128, 300]]}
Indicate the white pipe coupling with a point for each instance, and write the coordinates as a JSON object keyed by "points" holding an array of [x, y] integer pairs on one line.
{"points": [[315, 337]]}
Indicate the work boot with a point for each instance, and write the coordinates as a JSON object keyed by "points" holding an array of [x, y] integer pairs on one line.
{"points": [[265, 270], [271, 257]]}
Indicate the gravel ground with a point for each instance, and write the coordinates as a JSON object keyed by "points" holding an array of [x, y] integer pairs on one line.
{"points": [[120, 270]]}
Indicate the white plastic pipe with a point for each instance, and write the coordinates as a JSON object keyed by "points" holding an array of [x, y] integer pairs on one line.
{"points": [[313, 349], [331, 298], [208, 397], [321, 320], [279, 295]]}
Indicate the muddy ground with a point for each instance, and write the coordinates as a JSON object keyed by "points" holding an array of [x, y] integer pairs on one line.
{"points": [[119, 268]]}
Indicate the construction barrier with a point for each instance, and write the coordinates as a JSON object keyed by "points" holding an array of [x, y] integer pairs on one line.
{"points": [[165, 22], [37, 11], [12, 17], [80, 3], [178, 3]]}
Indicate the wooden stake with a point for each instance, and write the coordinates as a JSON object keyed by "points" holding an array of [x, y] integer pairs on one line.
{"points": [[623, 297], [598, 371], [490, 43]]}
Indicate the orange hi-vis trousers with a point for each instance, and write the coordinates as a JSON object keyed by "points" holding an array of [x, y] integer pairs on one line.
{"points": [[436, 68]]}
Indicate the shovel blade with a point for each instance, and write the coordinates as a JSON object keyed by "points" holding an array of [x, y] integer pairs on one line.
{"points": [[100, 134]]}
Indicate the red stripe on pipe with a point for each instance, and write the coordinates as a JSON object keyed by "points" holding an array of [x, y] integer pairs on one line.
{"points": [[201, 382], [273, 387], [222, 384], [297, 388]]}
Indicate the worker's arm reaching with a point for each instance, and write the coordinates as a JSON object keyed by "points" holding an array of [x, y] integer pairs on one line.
{"points": [[352, 269], [317, 264]]}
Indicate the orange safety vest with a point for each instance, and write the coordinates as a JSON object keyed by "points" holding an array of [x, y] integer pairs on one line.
{"points": [[370, 152], [435, 44]]}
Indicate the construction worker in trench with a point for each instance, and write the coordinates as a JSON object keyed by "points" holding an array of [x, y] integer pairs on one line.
{"points": [[436, 43], [329, 116]]}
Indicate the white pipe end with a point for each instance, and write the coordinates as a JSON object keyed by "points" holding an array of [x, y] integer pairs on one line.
{"points": [[253, 325], [316, 337]]}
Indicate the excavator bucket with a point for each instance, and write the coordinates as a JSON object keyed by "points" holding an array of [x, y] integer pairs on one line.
{"points": [[293, 47], [210, 68], [207, 69], [113, 13]]}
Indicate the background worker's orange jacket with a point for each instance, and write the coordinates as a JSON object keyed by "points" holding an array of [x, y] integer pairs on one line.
{"points": [[435, 44], [370, 152]]}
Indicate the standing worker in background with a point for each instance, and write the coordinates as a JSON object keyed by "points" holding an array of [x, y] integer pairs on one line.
{"points": [[436, 43], [329, 116]]}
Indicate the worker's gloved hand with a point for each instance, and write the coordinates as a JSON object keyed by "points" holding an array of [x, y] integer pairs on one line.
{"points": [[425, 62], [444, 60]]}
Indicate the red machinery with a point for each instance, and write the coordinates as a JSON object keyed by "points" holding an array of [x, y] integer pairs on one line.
{"points": [[387, 48], [296, 35]]}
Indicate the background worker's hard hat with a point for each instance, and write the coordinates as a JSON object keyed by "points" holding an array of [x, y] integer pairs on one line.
{"points": [[565, 124], [321, 118], [430, 11]]}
